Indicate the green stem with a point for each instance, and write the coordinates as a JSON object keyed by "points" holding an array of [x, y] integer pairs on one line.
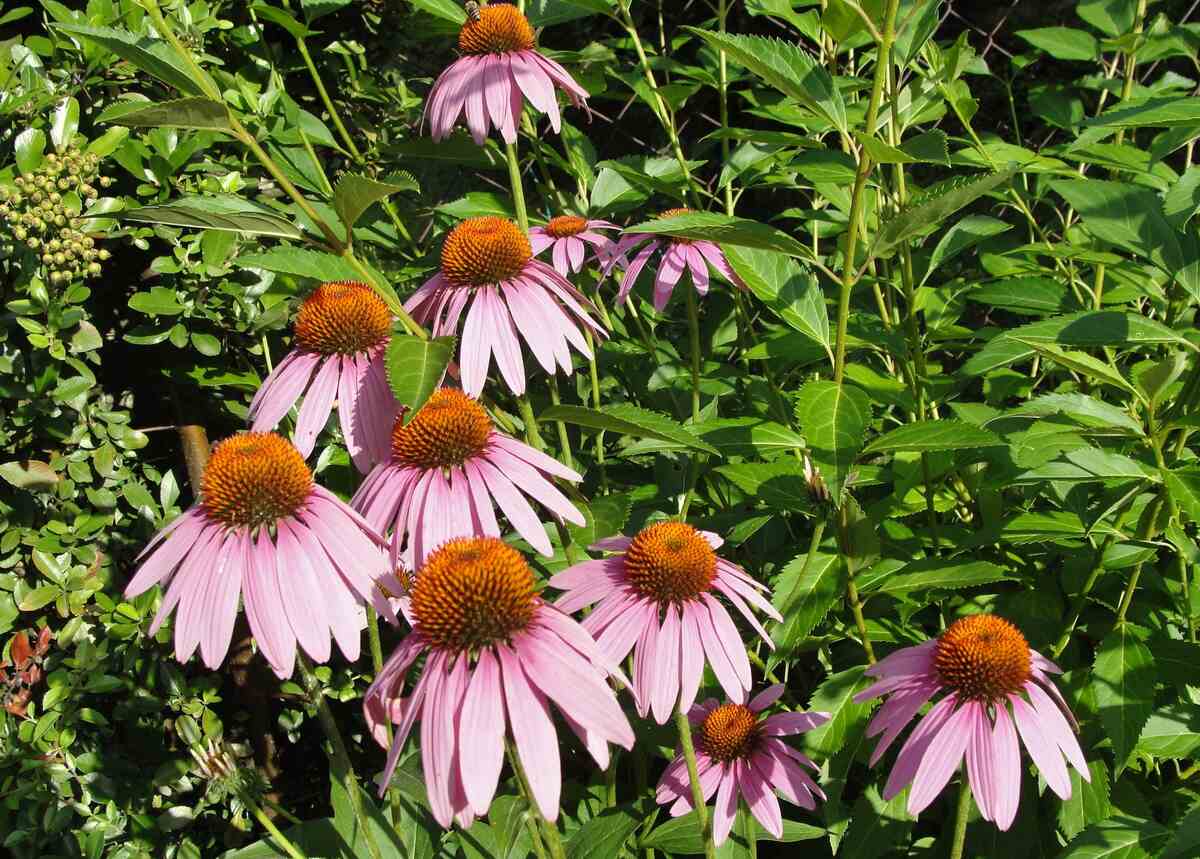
{"points": [[327, 101], [694, 335], [564, 441], [856, 606], [531, 428], [960, 818], [594, 376], [814, 546], [723, 98], [518, 190], [883, 60], [610, 780], [268, 824], [339, 759], [549, 830], [689, 755]]}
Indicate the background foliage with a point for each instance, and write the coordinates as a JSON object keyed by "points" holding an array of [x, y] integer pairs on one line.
{"points": [[1011, 433]]}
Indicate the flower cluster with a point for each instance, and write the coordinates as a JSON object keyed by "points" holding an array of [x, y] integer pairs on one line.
{"points": [[42, 211], [435, 530]]}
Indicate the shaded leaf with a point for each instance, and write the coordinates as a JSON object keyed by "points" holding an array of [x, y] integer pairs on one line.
{"points": [[724, 230], [628, 419], [947, 434], [415, 368], [194, 112], [215, 213], [1123, 682], [353, 195]]}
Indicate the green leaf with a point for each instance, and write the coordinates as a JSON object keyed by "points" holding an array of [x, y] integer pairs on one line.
{"points": [[353, 195], [627, 419], [193, 112], [785, 66], [1032, 295], [64, 123], [30, 147], [39, 597], [1079, 362], [779, 485], [301, 262], [1182, 200], [936, 435], [804, 595], [415, 368], [153, 56], [1184, 485], [834, 419], [680, 836], [1185, 839], [724, 230], [32, 474], [877, 826], [159, 301], [927, 148], [1131, 217], [281, 17], [1172, 731], [789, 289], [748, 436], [602, 836], [1088, 802], [1063, 43], [1111, 17], [216, 213], [1118, 837], [940, 574], [1171, 112], [965, 234], [928, 210], [835, 696], [1123, 682]]}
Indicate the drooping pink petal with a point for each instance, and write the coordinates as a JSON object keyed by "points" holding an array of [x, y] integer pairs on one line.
{"points": [[691, 666], [760, 798], [533, 732], [264, 608], [1056, 728], [981, 761], [670, 270], [1041, 748], [895, 714], [301, 590], [725, 809], [941, 759], [223, 609], [318, 403], [1006, 759], [665, 693], [170, 553], [915, 746]]}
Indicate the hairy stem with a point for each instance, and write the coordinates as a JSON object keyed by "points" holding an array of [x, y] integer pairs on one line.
{"points": [[278, 837], [961, 816], [518, 190]]}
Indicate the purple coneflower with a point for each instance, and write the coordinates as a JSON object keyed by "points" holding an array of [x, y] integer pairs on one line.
{"points": [[656, 597], [499, 65], [300, 559], [449, 470], [341, 334], [987, 668], [488, 263], [496, 655], [739, 752], [566, 235], [694, 255]]}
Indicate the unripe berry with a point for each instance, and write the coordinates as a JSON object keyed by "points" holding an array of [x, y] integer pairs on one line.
{"points": [[104, 254], [93, 269]]}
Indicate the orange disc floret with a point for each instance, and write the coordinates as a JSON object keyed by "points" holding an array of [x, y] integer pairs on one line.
{"points": [[670, 562], [471, 593], [982, 657], [674, 213], [484, 250], [448, 430], [342, 317], [253, 479], [498, 29], [566, 225], [729, 732]]}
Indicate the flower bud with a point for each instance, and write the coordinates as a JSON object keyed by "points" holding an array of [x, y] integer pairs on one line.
{"points": [[93, 269], [104, 254]]}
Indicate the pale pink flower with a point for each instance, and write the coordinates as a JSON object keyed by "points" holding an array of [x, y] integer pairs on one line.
{"points": [[496, 656], [449, 471], [679, 255], [341, 334], [657, 597], [568, 236], [487, 264], [739, 753], [987, 669], [299, 558], [499, 65]]}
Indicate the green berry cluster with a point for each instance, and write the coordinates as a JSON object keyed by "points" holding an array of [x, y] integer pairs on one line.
{"points": [[36, 209]]}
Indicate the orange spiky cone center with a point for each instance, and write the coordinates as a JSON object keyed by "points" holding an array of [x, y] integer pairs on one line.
{"points": [[729, 732], [342, 318], [983, 657], [670, 562], [254, 479], [448, 430], [498, 29], [484, 250]]}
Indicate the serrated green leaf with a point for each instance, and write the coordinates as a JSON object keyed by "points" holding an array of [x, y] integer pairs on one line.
{"points": [[415, 368], [193, 112], [785, 66], [922, 436], [215, 213], [790, 290], [1162, 112], [301, 262], [936, 573], [935, 205], [927, 148], [353, 195], [1184, 485], [835, 696], [779, 485], [628, 419], [834, 419], [877, 826], [1185, 839], [153, 56], [724, 230], [603, 835], [1088, 802], [965, 234], [1170, 732], [1123, 682], [1120, 837], [804, 593]]}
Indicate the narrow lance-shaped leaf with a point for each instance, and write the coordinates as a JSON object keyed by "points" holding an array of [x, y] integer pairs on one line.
{"points": [[724, 230], [194, 112], [627, 419], [215, 213]]}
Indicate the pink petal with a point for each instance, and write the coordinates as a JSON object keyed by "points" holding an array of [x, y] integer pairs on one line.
{"points": [[533, 732], [941, 760]]}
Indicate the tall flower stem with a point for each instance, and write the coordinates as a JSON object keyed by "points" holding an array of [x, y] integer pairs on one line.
{"points": [[549, 830], [339, 759], [268, 824], [960, 818], [749, 831], [723, 99], [531, 428], [883, 58], [694, 334], [518, 190], [689, 755], [564, 441]]}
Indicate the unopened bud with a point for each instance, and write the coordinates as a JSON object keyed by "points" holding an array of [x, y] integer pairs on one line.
{"points": [[93, 268]]}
